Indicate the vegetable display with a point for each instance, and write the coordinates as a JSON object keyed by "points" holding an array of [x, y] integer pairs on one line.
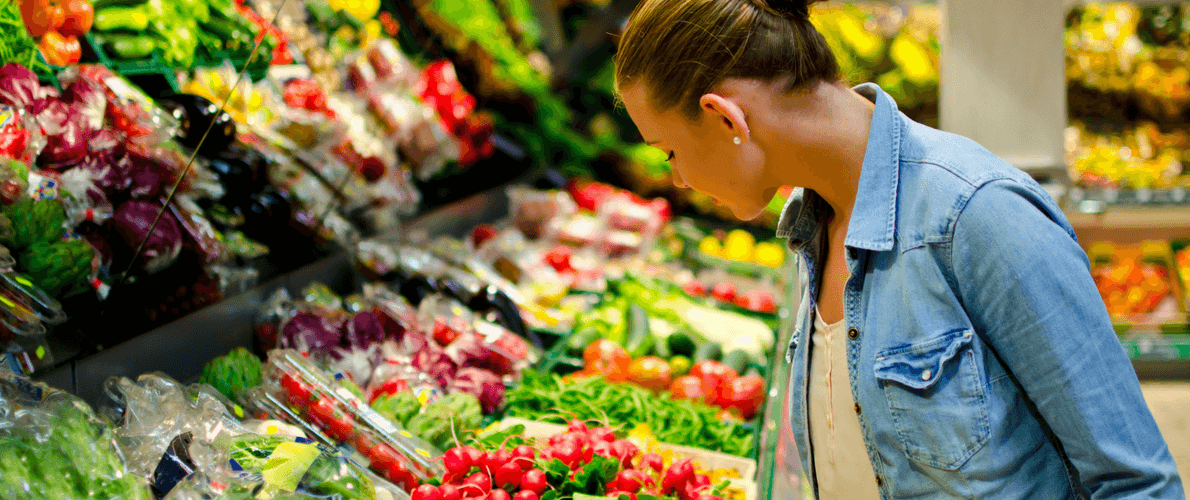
{"points": [[686, 423]]}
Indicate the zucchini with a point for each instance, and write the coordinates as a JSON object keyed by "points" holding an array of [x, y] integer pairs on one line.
{"points": [[708, 351], [579, 340], [680, 343], [639, 340], [738, 360]]}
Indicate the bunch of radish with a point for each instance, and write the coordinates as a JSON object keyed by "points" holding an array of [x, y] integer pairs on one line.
{"points": [[520, 473]]}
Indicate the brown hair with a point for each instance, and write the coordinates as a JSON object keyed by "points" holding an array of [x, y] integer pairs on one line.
{"points": [[683, 49]]}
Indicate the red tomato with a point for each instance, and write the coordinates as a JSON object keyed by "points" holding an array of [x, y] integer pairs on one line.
{"points": [[322, 412], [687, 387], [695, 288], [758, 300], [745, 394], [724, 292], [716, 378], [559, 258], [652, 373], [79, 15], [606, 358], [299, 393]]}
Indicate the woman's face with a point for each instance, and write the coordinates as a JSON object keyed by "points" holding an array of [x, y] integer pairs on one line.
{"points": [[703, 154]]}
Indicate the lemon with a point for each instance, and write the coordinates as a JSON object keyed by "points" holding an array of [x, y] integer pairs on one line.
{"points": [[710, 246], [738, 245], [768, 254]]}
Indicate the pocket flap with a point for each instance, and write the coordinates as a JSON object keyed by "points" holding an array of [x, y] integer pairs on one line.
{"points": [[919, 366]]}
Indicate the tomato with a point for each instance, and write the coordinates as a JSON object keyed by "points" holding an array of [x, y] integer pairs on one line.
{"points": [[758, 300], [482, 234], [694, 288], [745, 394], [559, 258], [36, 15], [652, 373], [716, 378], [687, 387], [341, 428], [390, 387], [322, 412], [79, 15], [724, 292], [606, 358], [299, 393], [60, 50]]}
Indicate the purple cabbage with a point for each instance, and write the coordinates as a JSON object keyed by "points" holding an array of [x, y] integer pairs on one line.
{"points": [[470, 350], [435, 364], [482, 384], [364, 330], [88, 97], [19, 86], [132, 221], [67, 133], [307, 331]]}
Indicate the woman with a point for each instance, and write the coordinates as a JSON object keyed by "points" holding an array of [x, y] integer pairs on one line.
{"points": [[951, 342]]}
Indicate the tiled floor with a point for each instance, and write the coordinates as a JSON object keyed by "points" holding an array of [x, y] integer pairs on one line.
{"points": [[1170, 404]]}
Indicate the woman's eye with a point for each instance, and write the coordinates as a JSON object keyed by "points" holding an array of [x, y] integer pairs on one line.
{"points": [[671, 156]]}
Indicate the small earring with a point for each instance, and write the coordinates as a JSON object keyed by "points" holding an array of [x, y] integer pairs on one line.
{"points": [[737, 141]]}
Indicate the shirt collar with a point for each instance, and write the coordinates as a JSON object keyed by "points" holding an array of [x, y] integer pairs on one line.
{"points": [[873, 219]]}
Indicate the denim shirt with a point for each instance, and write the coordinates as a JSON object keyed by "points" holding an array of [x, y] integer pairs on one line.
{"points": [[983, 362]]}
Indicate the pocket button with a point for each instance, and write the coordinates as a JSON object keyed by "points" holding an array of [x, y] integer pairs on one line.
{"points": [[853, 333], [857, 408], [925, 375], [879, 482]]}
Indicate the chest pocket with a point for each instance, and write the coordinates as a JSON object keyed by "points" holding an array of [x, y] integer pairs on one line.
{"points": [[937, 397]]}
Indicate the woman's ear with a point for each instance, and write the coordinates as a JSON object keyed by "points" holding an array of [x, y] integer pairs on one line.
{"points": [[727, 114]]}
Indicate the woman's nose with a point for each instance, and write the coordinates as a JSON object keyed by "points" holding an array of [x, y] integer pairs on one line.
{"points": [[677, 179]]}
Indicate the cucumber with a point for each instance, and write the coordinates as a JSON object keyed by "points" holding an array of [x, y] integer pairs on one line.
{"points": [[639, 340], [579, 340], [708, 351], [738, 360], [680, 343]]}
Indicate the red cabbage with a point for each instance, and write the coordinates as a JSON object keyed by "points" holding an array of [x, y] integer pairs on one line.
{"points": [[482, 384], [19, 86], [89, 98], [364, 330], [132, 221], [470, 350], [435, 364], [66, 130], [307, 331], [109, 170], [147, 178]]}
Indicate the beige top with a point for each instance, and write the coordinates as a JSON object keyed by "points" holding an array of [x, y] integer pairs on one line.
{"points": [[841, 463]]}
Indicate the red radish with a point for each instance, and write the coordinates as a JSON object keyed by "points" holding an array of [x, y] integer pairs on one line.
{"points": [[678, 474], [499, 494], [631, 480], [476, 485], [576, 425], [701, 481], [525, 495], [474, 456], [534, 480], [426, 492], [602, 434], [508, 474], [570, 452], [612, 485], [449, 492], [625, 451], [456, 460], [724, 292], [652, 461], [694, 288], [603, 449], [523, 456], [495, 459]]}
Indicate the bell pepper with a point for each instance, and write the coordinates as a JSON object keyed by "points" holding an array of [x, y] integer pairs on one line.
{"points": [[60, 50]]}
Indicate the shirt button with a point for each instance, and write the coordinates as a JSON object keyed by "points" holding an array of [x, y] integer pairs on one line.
{"points": [[853, 333], [879, 482], [925, 375], [857, 408]]}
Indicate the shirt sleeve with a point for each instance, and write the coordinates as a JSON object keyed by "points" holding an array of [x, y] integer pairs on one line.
{"points": [[1027, 287]]}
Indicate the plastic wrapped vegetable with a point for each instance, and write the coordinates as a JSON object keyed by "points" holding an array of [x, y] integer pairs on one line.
{"points": [[58, 266], [307, 331], [132, 221], [482, 384], [364, 330], [53, 446], [233, 373], [35, 221], [456, 415], [298, 465], [398, 406]]}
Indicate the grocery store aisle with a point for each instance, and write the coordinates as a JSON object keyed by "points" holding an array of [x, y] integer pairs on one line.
{"points": [[1170, 403]]}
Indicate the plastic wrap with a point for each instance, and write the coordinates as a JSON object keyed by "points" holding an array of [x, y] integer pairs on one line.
{"points": [[343, 416], [53, 446]]}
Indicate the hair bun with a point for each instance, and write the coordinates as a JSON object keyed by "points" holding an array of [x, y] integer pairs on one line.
{"points": [[790, 8]]}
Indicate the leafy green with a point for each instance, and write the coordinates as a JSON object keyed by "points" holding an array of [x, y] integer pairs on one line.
{"points": [[397, 407], [546, 396], [233, 373]]}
